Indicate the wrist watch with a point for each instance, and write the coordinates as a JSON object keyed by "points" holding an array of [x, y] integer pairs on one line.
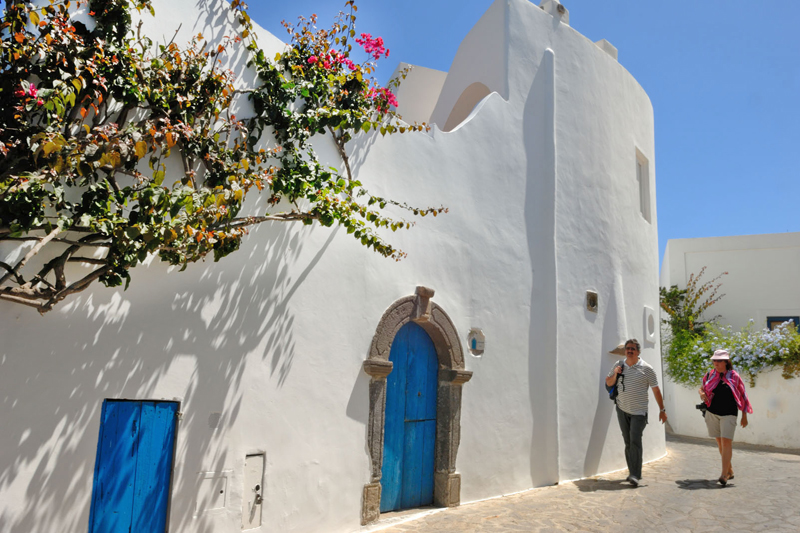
{"points": [[664, 410]]}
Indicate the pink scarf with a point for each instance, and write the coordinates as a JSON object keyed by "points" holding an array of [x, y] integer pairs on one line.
{"points": [[712, 379]]}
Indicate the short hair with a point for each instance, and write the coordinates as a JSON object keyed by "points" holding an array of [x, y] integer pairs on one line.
{"points": [[635, 343]]}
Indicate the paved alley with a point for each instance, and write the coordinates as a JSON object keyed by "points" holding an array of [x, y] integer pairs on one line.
{"points": [[678, 493]]}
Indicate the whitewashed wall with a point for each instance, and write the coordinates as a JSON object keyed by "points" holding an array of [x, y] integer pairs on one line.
{"points": [[762, 281], [775, 420], [544, 205], [762, 275]]}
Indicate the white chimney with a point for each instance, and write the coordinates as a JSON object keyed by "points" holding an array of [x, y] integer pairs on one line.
{"points": [[556, 9]]}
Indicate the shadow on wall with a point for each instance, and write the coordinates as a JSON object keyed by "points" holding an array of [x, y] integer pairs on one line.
{"points": [[196, 329], [605, 407], [199, 326], [465, 104], [540, 222]]}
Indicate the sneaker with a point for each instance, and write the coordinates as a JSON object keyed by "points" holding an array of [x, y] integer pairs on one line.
{"points": [[633, 481]]}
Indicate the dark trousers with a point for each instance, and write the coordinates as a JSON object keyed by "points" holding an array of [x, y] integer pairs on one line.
{"points": [[632, 427]]}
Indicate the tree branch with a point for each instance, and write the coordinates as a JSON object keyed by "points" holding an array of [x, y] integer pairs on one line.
{"points": [[281, 217], [89, 260], [32, 252], [20, 300], [62, 241], [56, 264], [4, 230], [78, 286], [342, 153], [19, 278]]}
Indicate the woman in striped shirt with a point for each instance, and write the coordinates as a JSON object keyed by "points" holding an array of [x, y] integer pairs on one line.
{"points": [[724, 395]]}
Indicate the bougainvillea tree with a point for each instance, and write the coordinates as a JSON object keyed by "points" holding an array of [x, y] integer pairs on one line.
{"points": [[115, 148]]}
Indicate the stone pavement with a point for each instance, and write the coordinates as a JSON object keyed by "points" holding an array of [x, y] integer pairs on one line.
{"points": [[678, 493]]}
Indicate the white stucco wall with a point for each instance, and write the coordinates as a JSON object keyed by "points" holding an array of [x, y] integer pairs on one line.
{"points": [[419, 92], [774, 422], [482, 57], [762, 276], [541, 185], [762, 281]]}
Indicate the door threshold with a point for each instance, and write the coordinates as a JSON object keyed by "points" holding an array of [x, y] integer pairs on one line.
{"points": [[394, 518]]}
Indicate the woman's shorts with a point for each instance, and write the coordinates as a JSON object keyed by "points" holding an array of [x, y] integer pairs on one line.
{"points": [[720, 426]]}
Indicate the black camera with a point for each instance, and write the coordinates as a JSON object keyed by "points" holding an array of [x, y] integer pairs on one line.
{"points": [[702, 407]]}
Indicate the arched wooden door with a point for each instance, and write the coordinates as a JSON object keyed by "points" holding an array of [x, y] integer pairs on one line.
{"points": [[410, 422]]}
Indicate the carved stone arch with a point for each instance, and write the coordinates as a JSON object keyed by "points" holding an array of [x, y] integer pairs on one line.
{"points": [[437, 324]]}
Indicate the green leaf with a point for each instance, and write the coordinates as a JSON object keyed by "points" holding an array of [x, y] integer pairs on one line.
{"points": [[158, 177], [49, 148]]}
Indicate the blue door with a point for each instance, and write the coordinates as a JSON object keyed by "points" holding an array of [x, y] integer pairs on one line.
{"points": [[410, 421], [133, 467]]}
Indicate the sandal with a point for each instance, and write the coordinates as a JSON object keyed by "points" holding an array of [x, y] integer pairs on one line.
{"points": [[723, 480]]}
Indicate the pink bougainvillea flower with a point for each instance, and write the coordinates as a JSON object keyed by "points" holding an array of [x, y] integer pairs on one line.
{"points": [[19, 92], [32, 90], [312, 60], [39, 102], [382, 97], [341, 59], [373, 47]]}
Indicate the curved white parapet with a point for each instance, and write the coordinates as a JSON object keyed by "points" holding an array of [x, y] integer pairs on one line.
{"points": [[466, 105], [482, 57]]}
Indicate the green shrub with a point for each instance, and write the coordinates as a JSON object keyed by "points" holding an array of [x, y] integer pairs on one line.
{"points": [[752, 351], [684, 364]]}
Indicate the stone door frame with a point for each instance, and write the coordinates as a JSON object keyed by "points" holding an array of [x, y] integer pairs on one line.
{"points": [[429, 316]]}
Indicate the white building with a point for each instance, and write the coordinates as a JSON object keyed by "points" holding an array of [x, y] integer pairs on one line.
{"points": [[761, 281], [543, 149], [761, 284]]}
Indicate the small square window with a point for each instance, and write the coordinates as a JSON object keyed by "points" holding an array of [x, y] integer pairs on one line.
{"points": [[775, 321], [591, 301]]}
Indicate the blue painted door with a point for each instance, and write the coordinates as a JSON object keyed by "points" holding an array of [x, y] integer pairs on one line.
{"points": [[133, 467], [410, 421]]}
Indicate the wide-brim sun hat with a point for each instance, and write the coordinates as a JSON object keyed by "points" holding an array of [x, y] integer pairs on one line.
{"points": [[721, 355], [619, 350]]}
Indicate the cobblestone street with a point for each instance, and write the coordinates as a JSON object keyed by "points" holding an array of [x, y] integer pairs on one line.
{"points": [[678, 493]]}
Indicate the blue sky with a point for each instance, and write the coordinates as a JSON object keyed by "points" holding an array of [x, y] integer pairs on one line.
{"points": [[723, 77]]}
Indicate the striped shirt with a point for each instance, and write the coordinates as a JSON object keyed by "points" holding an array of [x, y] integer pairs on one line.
{"points": [[638, 378]]}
